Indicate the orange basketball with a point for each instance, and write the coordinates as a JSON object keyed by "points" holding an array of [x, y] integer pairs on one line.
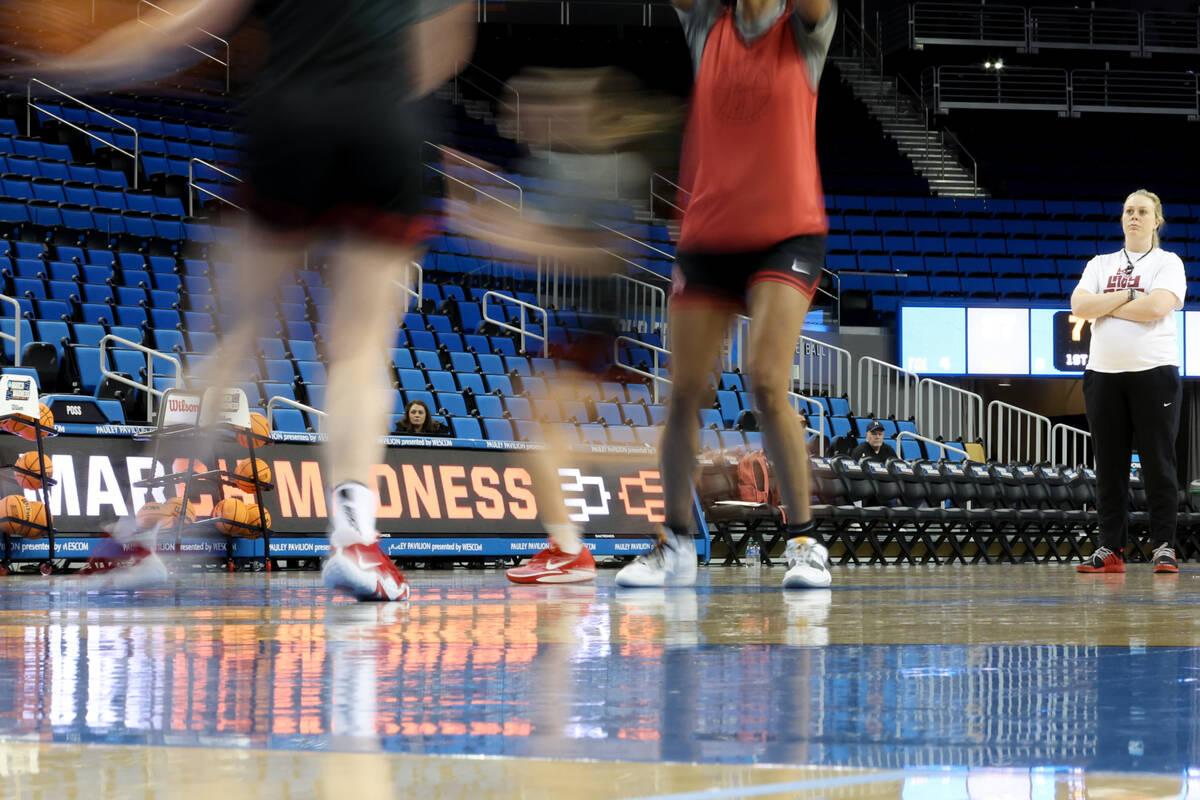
{"points": [[244, 470], [231, 509], [15, 510], [173, 507], [152, 514], [18, 426], [37, 515], [31, 463], [255, 516], [258, 426]]}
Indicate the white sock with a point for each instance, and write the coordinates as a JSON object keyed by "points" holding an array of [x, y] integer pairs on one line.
{"points": [[566, 536], [351, 515]]}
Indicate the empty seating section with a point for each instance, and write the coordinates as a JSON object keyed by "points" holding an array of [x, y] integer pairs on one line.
{"points": [[87, 255], [889, 250]]}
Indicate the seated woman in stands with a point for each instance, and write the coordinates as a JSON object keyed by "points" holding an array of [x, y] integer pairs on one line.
{"points": [[417, 421]]}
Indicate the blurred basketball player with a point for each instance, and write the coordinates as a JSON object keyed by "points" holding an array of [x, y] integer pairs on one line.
{"points": [[574, 123], [331, 158], [753, 238]]}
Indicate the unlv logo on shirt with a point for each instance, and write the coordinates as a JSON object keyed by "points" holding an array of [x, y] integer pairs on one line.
{"points": [[1121, 281]]}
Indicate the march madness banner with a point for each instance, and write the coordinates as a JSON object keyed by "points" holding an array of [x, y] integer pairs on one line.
{"points": [[423, 491]]}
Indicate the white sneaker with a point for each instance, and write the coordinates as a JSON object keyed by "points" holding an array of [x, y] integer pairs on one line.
{"points": [[364, 572], [672, 562], [808, 564]]}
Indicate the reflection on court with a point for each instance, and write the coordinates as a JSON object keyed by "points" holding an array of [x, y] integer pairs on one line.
{"points": [[896, 681]]}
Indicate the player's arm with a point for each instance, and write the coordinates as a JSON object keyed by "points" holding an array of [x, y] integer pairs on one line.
{"points": [[1090, 305], [683, 5], [1148, 307], [440, 46], [134, 51]]}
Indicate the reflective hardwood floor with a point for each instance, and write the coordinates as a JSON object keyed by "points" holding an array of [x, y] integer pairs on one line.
{"points": [[914, 682]]}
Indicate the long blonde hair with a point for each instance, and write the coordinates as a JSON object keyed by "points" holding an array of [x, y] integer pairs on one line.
{"points": [[1158, 212]]}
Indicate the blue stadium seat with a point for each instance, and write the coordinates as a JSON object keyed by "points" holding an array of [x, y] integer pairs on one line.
{"points": [[528, 430], [498, 383], [498, 429], [592, 433], [289, 420], [518, 407], [465, 428], [489, 406]]}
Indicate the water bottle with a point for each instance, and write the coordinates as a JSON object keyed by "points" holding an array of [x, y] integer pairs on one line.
{"points": [[753, 556]]}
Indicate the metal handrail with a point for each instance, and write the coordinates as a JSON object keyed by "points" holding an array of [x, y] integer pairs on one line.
{"points": [[945, 447], [656, 306], [821, 430], [544, 335], [519, 208], [654, 351], [635, 265], [639, 242], [1032, 431], [30, 105], [195, 187], [667, 200], [896, 398], [935, 397], [151, 354], [278, 399], [406, 286], [210, 34], [913, 96], [1079, 440], [15, 336]]}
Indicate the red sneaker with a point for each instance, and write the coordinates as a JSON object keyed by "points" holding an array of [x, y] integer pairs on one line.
{"points": [[1103, 560], [365, 572], [552, 565]]}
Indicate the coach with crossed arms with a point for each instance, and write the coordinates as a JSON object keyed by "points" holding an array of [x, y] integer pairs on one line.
{"points": [[1132, 386]]}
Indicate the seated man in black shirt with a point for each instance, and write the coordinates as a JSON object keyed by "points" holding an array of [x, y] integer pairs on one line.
{"points": [[874, 448]]}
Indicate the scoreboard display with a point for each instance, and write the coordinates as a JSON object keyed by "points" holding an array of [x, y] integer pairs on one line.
{"points": [[1012, 341], [1072, 338]]}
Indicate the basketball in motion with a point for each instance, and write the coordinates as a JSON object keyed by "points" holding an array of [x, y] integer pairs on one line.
{"points": [[31, 463], [16, 513], [255, 517], [259, 427], [231, 510], [248, 474]]}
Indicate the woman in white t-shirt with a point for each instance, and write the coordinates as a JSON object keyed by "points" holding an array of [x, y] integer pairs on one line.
{"points": [[1131, 387]]}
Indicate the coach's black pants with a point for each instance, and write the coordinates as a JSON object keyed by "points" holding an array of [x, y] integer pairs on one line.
{"points": [[1120, 407]]}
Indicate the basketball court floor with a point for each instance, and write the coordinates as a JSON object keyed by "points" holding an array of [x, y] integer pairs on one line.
{"points": [[912, 682]]}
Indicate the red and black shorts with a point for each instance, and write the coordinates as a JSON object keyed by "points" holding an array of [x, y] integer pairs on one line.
{"points": [[344, 160], [727, 277]]}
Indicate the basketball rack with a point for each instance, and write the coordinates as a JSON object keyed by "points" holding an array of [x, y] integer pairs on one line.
{"points": [[193, 437], [41, 433]]}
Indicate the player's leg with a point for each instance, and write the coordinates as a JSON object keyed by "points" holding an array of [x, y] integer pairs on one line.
{"points": [[357, 404], [128, 558], [1106, 399], [697, 333], [777, 312], [263, 260], [566, 560]]}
